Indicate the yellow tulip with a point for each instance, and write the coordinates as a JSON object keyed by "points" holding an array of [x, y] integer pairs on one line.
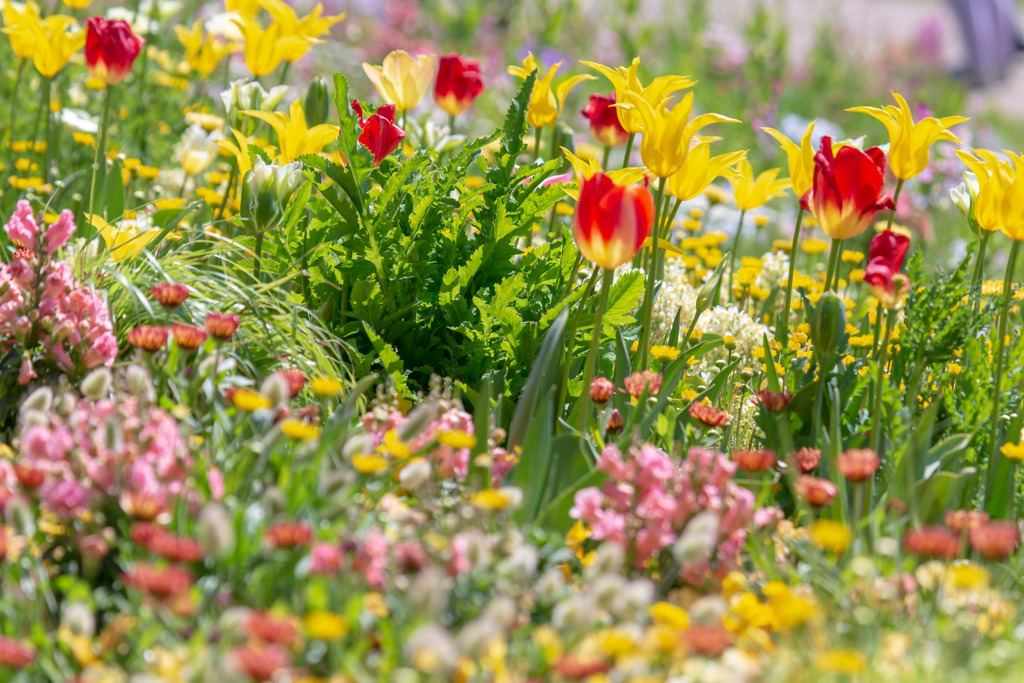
{"points": [[667, 133], [310, 27], [624, 80], [265, 49], [800, 158], [293, 137], [55, 41], [909, 142], [17, 26], [78, 4], [402, 80], [988, 210], [127, 240], [700, 168], [585, 169], [545, 106], [203, 53], [750, 191], [238, 149], [248, 8]]}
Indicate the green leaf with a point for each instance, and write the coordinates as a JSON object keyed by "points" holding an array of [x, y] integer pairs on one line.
{"points": [[622, 301], [512, 133], [389, 359], [543, 365]]}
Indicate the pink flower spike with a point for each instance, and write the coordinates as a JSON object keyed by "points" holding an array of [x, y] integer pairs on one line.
{"points": [[58, 234], [22, 228]]}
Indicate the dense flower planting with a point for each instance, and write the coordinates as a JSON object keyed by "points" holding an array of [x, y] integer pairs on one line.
{"points": [[404, 344]]}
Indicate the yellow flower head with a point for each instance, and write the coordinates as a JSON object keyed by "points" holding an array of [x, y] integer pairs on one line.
{"points": [[800, 158], [845, 662], [203, 53], [699, 169], [456, 439], [585, 169], [751, 191], [78, 4], [545, 106], [365, 463], [238, 149], [299, 430], [56, 38], [125, 241], [250, 401], [310, 27], [402, 80], [1000, 201], [665, 354], [247, 7], [293, 137], [1013, 451], [265, 49], [623, 80], [909, 142], [326, 386], [832, 535], [668, 131], [18, 22], [322, 625]]}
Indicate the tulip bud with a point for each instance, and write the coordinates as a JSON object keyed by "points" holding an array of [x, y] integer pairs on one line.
{"points": [[706, 295], [249, 95], [615, 422], [964, 195], [414, 474], [265, 193], [96, 384], [318, 100], [828, 327]]}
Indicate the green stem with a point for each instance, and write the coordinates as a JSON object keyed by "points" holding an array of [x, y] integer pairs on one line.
{"points": [[652, 276], [787, 307], [876, 433], [47, 92], [629, 150], [570, 348], [11, 103], [227, 191], [604, 158], [994, 453], [595, 343], [100, 156], [257, 257], [979, 268], [451, 124], [833, 261], [878, 329], [732, 255], [536, 142], [284, 76], [895, 198]]}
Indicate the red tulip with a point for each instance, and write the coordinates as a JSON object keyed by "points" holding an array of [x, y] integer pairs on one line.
{"points": [[612, 221], [111, 49], [847, 189], [458, 83], [380, 134], [885, 258], [604, 120]]}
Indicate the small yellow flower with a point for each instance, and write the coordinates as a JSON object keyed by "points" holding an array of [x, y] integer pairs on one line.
{"points": [[831, 535], [954, 371], [250, 401], [852, 257], [299, 430], [394, 446], [374, 605], [751, 191], [326, 386], [670, 615], [493, 499], [665, 353], [1013, 451], [845, 662], [814, 246], [968, 575], [323, 625], [761, 221], [456, 439], [369, 464]]}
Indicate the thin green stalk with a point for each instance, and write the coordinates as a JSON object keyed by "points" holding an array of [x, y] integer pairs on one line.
{"points": [[227, 191], [47, 92], [629, 149], [787, 307], [595, 343], [570, 348], [100, 156], [451, 124], [994, 453], [895, 198], [257, 256], [11, 103], [833, 261], [604, 158], [979, 268], [648, 307], [536, 142], [876, 433], [284, 76], [878, 329], [732, 254]]}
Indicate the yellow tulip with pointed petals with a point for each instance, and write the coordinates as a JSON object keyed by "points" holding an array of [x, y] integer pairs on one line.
{"points": [[402, 80], [77, 4], [668, 132], [127, 240], [17, 25], [909, 142], [247, 7], [545, 106], [800, 158], [312, 26], [992, 172], [238, 149], [202, 52], [293, 137], [626, 79], [751, 191], [265, 49], [56, 40], [585, 169], [699, 169]]}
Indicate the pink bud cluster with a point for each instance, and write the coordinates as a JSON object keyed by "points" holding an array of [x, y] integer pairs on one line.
{"points": [[106, 452], [44, 314], [649, 500]]}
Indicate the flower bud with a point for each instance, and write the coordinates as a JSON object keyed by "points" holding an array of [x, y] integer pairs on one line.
{"points": [[414, 474], [615, 422], [828, 326], [246, 95], [96, 384], [318, 101], [601, 389], [265, 193], [275, 387], [140, 384], [40, 400]]}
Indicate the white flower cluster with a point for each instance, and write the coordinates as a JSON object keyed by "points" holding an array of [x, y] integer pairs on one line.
{"points": [[774, 271]]}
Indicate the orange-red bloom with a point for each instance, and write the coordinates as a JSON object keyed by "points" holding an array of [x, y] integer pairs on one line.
{"points": [[148, 337], [604, 120], [807, 459], [170, 294], [221, 326], [885, 258], [858, 464], [709, 415], [995, 540], [817, 492], [187, 336], [612, 221], [847, 189], [288, 534], [458, 83], [753, 461], [111, 49], [932, 541]]}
